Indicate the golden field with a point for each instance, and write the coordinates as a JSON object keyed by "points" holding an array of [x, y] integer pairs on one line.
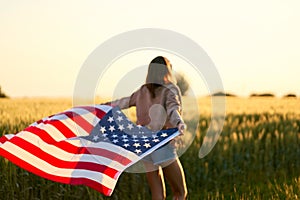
{"points": [[256, 156]]}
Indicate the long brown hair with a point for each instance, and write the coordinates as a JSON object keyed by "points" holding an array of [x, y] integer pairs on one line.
{"points": [[159, 74]]}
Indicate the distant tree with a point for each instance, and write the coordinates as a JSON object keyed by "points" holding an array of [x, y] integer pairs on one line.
{"points": [[289, 96], [2, 95], [262, 95], [267, 95], [253, 95], [182, 83], [223, 94]]}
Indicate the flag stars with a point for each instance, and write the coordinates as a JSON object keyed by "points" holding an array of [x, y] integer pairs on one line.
{"points": [[110, 119], [147, 145], [145, 138], [130, 126], [136, 145], [96, 137], [120, 118], [155, 140], [125, 140], [138, 151], [164, 135], [126, 134], [115, 141], [102, 129], [121, 127], [134, 136], [112, 128]]}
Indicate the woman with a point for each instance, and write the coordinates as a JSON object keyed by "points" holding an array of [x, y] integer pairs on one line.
{"points": [[158, 106]]}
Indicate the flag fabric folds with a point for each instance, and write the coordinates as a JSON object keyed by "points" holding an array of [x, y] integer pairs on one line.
{"points": [[88, 145]]}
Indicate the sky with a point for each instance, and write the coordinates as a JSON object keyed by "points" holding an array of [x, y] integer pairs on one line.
{"points": [[255, 45]]}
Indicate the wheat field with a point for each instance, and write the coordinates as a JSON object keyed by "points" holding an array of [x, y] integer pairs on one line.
{"points": [[256, 156]]}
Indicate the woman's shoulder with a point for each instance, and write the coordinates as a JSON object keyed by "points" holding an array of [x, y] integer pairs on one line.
{"points": [[167, 88], [142, 90], [173, 88]]}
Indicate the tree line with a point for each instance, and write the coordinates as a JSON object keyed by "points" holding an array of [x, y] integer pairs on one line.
{"points": [[2, 94]]}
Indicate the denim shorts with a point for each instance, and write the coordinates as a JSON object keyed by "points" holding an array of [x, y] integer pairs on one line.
{"points": [[163, 154]]}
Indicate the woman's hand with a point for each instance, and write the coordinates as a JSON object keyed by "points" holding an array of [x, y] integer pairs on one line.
{"points": [[181, 127]]}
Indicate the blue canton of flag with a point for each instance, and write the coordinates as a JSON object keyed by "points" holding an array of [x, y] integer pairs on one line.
{"points": [[117, 129]]}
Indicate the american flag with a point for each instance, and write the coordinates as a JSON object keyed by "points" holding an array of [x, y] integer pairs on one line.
{"points": [[88, 145]]}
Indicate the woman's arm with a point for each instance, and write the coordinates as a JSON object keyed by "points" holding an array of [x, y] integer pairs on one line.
{"points": [[174, 108], [124, 102]]}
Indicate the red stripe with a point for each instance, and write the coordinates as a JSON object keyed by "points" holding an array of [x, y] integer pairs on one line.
{"points": [[64, 130], [93, 151], [74, 181], [88, 127], [109, 154], [80, 121], [96, 111], [40, 133], [61, 127], [46, 118], [93, 184], [34, 150], [70, 148], [39, 121], [3, 139]]}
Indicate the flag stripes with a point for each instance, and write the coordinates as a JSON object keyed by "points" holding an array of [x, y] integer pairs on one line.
{"points": [[56, 148]]}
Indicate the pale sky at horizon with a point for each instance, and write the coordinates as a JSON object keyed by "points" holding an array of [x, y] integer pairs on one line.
{"points": [[255, 45]]}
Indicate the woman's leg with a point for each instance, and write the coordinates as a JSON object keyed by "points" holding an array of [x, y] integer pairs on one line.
{"points": [[157, 184], [175, 176]]}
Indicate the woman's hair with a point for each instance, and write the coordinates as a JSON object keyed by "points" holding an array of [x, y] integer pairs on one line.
{"points": [[159, 73]]}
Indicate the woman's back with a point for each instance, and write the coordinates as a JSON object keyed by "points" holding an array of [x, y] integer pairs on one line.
{"points": [[157, 111]]}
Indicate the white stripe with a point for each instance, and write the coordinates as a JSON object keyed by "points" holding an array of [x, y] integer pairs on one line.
{"points": [[114, 148], [64, 119], [79, 142], [49, 128], [76, 129], [87, 115], [50, 169], [66, 156], [35, 123], [9, 136], [105, 108]]}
